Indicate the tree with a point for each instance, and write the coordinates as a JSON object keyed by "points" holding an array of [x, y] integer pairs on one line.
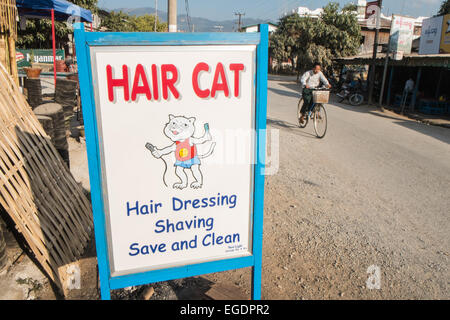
{"points": [[87, 4], [37, 34], [306, 40], [146, 23], [122, 22], [445, 8], [118, 22], [278, 48]]}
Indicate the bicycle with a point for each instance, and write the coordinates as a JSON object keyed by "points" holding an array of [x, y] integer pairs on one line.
{"points": [[316, 112]]}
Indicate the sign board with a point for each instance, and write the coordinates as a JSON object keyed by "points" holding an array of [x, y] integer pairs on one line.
{"points": [[402, 32], [372, 8], [23, 56], [175, 131], [445, 38], [430, 38], [198, 198]]}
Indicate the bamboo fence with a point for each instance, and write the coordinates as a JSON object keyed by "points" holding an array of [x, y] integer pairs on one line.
{"points": [[8, 35], [36, 188], [8, 16]]}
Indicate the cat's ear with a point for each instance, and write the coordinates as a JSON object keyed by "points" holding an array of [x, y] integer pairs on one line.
{"points": [[171, 116], [192, 120]]}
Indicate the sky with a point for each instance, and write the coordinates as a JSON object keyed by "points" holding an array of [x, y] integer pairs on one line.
{"points": [[269, 9]]}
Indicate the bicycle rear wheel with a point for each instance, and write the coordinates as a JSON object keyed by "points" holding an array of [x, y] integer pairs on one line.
{"points": [[299, 114], [320, 121]]}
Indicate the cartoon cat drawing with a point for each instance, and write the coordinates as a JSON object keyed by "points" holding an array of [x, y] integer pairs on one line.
{"points": [[181, 130]]}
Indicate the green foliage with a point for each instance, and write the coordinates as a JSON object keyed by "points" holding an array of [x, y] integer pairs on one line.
{"points": [[445, 7], [122, 22], [146, 23], [350, 7], [278, 48], [33, 286], [118, 22], [87, 4], [306, 40], [37, 34]]}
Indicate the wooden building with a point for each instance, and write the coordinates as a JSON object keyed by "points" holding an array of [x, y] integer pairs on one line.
{"points": [[431, 75]]}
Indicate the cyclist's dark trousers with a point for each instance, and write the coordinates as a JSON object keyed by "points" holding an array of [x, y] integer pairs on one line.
{"points": [[307, 100]]}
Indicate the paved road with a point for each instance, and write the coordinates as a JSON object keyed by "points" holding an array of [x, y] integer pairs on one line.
{"points": [[375, 191]]}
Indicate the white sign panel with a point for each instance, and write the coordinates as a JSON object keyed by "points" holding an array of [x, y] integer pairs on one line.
{"points": [[430, 38], [401, 36], [177, 146]]}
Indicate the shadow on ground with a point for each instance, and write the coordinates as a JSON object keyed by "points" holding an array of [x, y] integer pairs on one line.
{"points": [[285, 93], [294, 128], [293, 90], [193, 288], [439, 133]]}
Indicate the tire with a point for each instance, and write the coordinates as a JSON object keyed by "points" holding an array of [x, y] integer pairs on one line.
{"points": [[320, 121], [356, 99], [299, 114]]}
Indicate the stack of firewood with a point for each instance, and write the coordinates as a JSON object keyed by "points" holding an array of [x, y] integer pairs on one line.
{"points": [[56, 128], [66, 95], [33, 90]]}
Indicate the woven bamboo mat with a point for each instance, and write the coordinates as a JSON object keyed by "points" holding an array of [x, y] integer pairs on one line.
{"points": [[36, 188]]}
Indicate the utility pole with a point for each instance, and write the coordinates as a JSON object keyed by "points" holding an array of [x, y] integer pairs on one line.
{"points": [[240, 14], [383, 83], [375, 50], [156, 15], [188, 16], [172, 15]]}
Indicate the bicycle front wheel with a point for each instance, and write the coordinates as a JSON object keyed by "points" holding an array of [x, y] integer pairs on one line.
{"points": [[320, 121]]}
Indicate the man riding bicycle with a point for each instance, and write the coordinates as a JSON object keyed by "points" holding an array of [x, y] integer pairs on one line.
{"points": [[311, 80]]}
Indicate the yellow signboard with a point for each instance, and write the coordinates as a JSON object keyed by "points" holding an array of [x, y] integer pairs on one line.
{"points": [[445, 38]]}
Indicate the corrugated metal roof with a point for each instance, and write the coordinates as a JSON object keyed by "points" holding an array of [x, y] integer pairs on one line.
{"points": [[412, 60]]}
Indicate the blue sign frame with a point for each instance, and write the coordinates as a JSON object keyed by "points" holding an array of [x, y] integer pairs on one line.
{"points": [[85, 40]]}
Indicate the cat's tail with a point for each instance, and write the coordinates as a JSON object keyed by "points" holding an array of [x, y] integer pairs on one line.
{"points": [[210, 151], [151, 147], [165, 171]]}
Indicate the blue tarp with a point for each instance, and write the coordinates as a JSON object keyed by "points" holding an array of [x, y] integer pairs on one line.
{"points": [[42, 8]]}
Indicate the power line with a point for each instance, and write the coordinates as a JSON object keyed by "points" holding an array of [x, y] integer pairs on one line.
{"points": [[263, 5], [403, 7], [280, 10]]}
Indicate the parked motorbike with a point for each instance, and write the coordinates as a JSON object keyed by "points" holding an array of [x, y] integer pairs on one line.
{"points": [[353, 93]]}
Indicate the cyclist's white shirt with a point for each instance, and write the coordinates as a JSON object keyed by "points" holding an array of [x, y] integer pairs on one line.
{"points": [[313, 80]]}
